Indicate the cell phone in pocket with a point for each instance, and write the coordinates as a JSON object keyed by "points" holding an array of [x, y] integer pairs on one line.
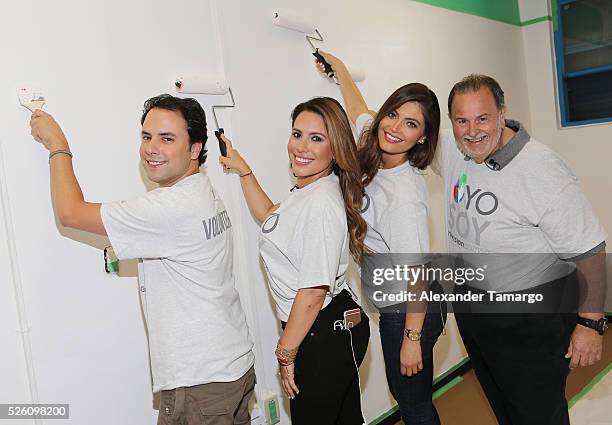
{"points": [[352, 318]]}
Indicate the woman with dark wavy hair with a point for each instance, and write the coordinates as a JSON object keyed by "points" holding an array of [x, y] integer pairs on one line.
{"points": [[395, 145], [305, 243]]}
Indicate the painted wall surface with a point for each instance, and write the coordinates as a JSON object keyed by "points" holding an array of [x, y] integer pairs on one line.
{"points": [[14, 383], [97, 62], [587, 149], [533, 9]]}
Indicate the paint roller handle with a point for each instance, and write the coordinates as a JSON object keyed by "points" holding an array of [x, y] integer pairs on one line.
{"points": [[233, 160], [222, 146], [327, 67]]}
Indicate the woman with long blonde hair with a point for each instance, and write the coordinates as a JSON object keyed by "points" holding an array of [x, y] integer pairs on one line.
{"points": [[305, 242]]}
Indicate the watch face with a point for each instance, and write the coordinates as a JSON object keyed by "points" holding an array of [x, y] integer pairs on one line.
{"points": [[604, 325], [414, 335]]}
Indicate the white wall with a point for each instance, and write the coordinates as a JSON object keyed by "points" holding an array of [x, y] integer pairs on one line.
{"points": [[587, 149], [97, 61], [533, 9], [13, 331]]}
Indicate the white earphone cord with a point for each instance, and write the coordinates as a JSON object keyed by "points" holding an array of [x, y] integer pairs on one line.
{"points": [[358, 377]]}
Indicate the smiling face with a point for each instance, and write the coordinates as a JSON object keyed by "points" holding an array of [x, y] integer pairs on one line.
{"points": [[165, 152], [309, 148], [399, 131], [477, 123]]}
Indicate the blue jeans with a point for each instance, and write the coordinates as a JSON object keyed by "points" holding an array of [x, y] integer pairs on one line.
{"points": [[412, 393]]}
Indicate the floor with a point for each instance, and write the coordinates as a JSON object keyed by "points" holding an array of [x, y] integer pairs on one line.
{"points": [[593, 405], [459, 405]]}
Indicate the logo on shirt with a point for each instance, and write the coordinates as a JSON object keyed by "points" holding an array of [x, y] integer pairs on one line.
{"points": [[459, 188], [468, 214], [270, 223], [216, 225]]}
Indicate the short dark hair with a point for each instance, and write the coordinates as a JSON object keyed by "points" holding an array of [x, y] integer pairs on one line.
{"points": [[475, 82], [191, 111]]}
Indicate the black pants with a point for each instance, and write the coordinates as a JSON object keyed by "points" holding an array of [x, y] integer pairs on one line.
{"points": [[519, 361], [325, 370]]}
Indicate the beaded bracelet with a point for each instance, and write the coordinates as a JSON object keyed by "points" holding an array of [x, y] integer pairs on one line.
{"points": [[59, 152], [284, 362], [284, 356]]}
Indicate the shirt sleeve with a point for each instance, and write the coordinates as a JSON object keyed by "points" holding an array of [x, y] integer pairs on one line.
{"points": [[362, 123], [321, 248], [570, 224], [139, 228], [445, 139]]}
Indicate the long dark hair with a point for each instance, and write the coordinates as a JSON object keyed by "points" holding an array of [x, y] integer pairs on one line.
{"points": [[346, 165], [420, 155]]}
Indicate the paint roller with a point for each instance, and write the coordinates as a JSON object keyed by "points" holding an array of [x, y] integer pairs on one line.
{"points": [[201, 84], [295, 23]]}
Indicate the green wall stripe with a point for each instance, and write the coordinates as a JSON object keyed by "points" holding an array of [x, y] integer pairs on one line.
{"points": [[553, 11], [451, 370], [499, 10], [439, 392], [588, 387], [384, 415], [447, 387], [459, 379], [536, 20]]}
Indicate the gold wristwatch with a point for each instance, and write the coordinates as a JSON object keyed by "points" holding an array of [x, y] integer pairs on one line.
{"points": [[412, 334]]}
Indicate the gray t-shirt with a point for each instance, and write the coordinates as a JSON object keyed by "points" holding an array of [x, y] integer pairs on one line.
{"points": [[182, 237], [523, 200], [304, 243], [395, 207]]}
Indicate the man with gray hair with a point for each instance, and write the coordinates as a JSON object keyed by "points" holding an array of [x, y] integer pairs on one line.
{"points": [[508, 194]]}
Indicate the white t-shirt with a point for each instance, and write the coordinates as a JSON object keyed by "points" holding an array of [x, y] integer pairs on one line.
{"points": [[532, 204], [182, 237], [395, 207], [304, 243]]}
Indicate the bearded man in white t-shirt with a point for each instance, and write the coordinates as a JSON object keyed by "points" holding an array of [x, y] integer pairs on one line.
{"points": [[513, 206], [201, 354]]}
